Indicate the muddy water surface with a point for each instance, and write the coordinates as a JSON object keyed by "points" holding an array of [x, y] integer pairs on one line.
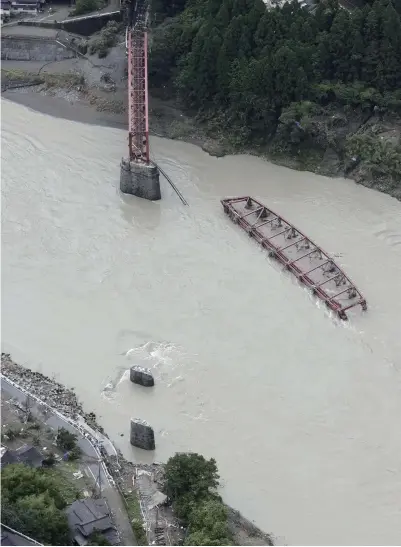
{"points": [[301, 412]]}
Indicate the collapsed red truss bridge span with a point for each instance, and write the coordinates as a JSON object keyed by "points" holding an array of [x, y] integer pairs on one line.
{"points": [[299, 254]]}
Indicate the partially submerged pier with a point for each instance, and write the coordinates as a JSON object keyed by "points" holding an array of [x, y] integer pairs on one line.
{"points": [[298, 253]]}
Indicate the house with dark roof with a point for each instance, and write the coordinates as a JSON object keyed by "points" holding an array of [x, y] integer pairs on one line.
{"points": [[7, 457], [9, 536], [90, 515], [26, 6], [28, 455]]}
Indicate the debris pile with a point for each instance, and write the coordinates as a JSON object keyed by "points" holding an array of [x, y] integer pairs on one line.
{"points": [[48, 390]]}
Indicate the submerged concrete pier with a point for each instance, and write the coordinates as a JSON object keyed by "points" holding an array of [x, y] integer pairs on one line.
{"points": [[142, 435], [140, 179], [142, 376]]}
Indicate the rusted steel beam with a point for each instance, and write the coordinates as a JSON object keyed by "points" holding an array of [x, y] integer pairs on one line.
{"points": [[304, 256], [344, 291], [266, 222], [251, 213], [292, 244], [259, 216], [279, 233], [138, 109], [317, 267], [327, 280], [242, 209]]}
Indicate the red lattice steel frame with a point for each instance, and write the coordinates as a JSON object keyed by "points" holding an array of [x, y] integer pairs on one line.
{"points": [[138, 111], [242, 209]]}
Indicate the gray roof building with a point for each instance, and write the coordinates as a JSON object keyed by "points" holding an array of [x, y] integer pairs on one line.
{"points": [[88, 516], [7, 457], [28, 455]]}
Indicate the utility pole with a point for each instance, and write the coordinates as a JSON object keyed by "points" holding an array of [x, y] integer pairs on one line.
{"points": [[99, 478]]}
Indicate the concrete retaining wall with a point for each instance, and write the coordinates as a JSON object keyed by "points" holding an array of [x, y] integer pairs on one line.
{"points": [[87, 25], [21, 48], [40, 24]]}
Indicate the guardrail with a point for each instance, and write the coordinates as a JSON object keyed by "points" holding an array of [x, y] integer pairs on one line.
{"points": [[68, 420]]}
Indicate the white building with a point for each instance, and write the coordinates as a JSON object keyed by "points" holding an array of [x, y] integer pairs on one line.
{"points": [[5, 9]]}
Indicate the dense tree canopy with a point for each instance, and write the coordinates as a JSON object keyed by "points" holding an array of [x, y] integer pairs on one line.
{"points": [[208, 519], [32, 504], [191, 481], [244, 64], [190, 473]]}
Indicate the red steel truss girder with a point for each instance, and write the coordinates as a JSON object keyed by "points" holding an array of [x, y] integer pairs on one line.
{"points": [[235, 207], [138, 111]]}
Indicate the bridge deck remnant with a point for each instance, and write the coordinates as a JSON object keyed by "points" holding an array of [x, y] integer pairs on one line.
{"points": [[298, 253]]}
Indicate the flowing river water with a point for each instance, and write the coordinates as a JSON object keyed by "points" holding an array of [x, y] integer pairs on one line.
{"points": [[301, 411]]}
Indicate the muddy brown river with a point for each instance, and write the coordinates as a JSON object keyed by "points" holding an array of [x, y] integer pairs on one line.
{"points": [[301, 411]]}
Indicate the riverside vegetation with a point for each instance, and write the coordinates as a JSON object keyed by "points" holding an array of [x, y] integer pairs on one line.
{"points": [[33, 502], [191, 483], [320, 91]]}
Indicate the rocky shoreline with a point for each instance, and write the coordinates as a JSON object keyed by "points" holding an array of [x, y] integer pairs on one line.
{"points": [[48, 390]]}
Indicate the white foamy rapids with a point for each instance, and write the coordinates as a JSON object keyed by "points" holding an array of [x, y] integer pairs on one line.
{"points": [[161, 358]]}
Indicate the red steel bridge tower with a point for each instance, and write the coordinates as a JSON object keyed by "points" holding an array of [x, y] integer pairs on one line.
{"points": [[139, 176]]}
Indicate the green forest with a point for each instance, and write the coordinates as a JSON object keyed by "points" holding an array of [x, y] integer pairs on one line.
{"points": [[266, 75]]}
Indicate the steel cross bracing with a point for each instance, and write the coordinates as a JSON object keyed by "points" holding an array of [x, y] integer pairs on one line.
{"points": [[138, 122], [138, 111], [298, 253]]}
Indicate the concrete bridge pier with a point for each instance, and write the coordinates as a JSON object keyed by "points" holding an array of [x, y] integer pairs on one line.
{"points": [[140, 179], [142, 435]]}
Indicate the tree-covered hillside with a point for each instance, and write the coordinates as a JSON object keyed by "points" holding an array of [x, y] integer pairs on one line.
{"points": [[266, 76]]}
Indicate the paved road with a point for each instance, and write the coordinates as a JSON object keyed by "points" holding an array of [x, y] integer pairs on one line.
{"points": [[28, 32], [55, 420]]}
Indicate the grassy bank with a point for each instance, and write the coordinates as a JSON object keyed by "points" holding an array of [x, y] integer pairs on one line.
{"points": [[14, 78], [135, 516], [58, 82]]}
